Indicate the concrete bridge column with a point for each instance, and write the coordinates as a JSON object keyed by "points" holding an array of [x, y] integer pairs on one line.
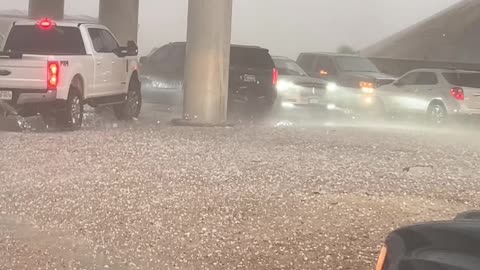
{"points": [[121, 17], [54, 9], [207, 62]]}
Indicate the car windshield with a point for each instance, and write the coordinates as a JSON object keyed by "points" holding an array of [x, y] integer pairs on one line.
{"points": [[353, 63], [289, 68], [240, 135]]}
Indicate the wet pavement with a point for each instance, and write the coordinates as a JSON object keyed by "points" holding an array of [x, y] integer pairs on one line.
{"points": [[280, 194]]}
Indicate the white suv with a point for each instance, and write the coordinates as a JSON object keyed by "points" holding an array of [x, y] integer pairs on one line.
{"points": [[54, 68], [436, 93]]}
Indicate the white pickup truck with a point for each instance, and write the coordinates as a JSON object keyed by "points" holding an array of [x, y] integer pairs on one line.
{"points": [[54, 68]]}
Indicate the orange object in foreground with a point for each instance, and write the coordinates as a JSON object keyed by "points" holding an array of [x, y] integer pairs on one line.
{"points": [[382, 258]]}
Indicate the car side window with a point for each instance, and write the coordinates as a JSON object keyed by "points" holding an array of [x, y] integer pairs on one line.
{"points": [[325, 66], [103, 41], [408, 79], [426, 78], [109, 41], [96, 38], [160, 56]]}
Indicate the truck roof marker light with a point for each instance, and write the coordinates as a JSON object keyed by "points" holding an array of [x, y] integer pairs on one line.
{"points": [[45, 24]]}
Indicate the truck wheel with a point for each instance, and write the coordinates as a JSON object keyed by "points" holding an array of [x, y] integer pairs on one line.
{"points": [[131, 107], [70, 114]]}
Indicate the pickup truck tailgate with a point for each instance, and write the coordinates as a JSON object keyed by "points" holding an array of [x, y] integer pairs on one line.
{"points": [[29, 72]]}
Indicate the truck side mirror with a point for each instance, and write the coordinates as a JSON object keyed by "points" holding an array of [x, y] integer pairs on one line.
{"points": [[121, 51], [132, 48]]}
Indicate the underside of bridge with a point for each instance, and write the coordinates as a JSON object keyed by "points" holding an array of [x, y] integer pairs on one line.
{"points": [[452, 35]]}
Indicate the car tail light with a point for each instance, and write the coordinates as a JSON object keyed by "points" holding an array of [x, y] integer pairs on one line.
{"points": [[275, 76], [53, 71], [45, 24], [382, 258], [457, 93]]}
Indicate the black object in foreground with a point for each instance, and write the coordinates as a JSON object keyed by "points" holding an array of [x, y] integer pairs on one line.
{"points": [[446, 245]]}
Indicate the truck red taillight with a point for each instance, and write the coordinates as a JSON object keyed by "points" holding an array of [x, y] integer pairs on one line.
{"points": [[274, 76], [45, 24], [457, 93], [53, 71]]}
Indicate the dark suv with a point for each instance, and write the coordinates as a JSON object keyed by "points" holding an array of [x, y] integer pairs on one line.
{"points": [[252, 76], [356, 76]]}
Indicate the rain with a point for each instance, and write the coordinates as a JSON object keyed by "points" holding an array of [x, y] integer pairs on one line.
{"points": [[340, 126]]}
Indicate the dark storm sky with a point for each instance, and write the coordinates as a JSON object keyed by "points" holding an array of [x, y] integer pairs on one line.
{"points": [[285, 26]]}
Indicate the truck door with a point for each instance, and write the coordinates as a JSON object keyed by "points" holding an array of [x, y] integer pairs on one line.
{"points": [[103, 64], [119, 70]]}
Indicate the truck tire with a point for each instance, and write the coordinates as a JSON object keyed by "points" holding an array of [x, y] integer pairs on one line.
{"points": [[70, 114], [132, 106]]}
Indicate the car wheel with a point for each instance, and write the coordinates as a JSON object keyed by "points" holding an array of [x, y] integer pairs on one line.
{"points": [[131, 108], [70, 115], [437, 114]]}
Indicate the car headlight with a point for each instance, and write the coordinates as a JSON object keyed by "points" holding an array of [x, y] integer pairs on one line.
{"points": [[367, 87], [283, 86], [332, 87]]}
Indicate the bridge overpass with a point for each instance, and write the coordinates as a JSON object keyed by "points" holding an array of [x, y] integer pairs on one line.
{"points": [[450, 38]]}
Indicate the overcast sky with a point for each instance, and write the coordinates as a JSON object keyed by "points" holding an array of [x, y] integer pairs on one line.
{"points": [[286, 27]]}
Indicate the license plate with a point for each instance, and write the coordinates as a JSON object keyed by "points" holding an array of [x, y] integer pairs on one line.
{"points": [[249, 78], [314, 101], [6, 95]]}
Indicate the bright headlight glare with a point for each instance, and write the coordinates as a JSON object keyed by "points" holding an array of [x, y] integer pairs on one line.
{"points": [[331, 107], [368, 90], [284, 86], [288, 105], [331, 87]]}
